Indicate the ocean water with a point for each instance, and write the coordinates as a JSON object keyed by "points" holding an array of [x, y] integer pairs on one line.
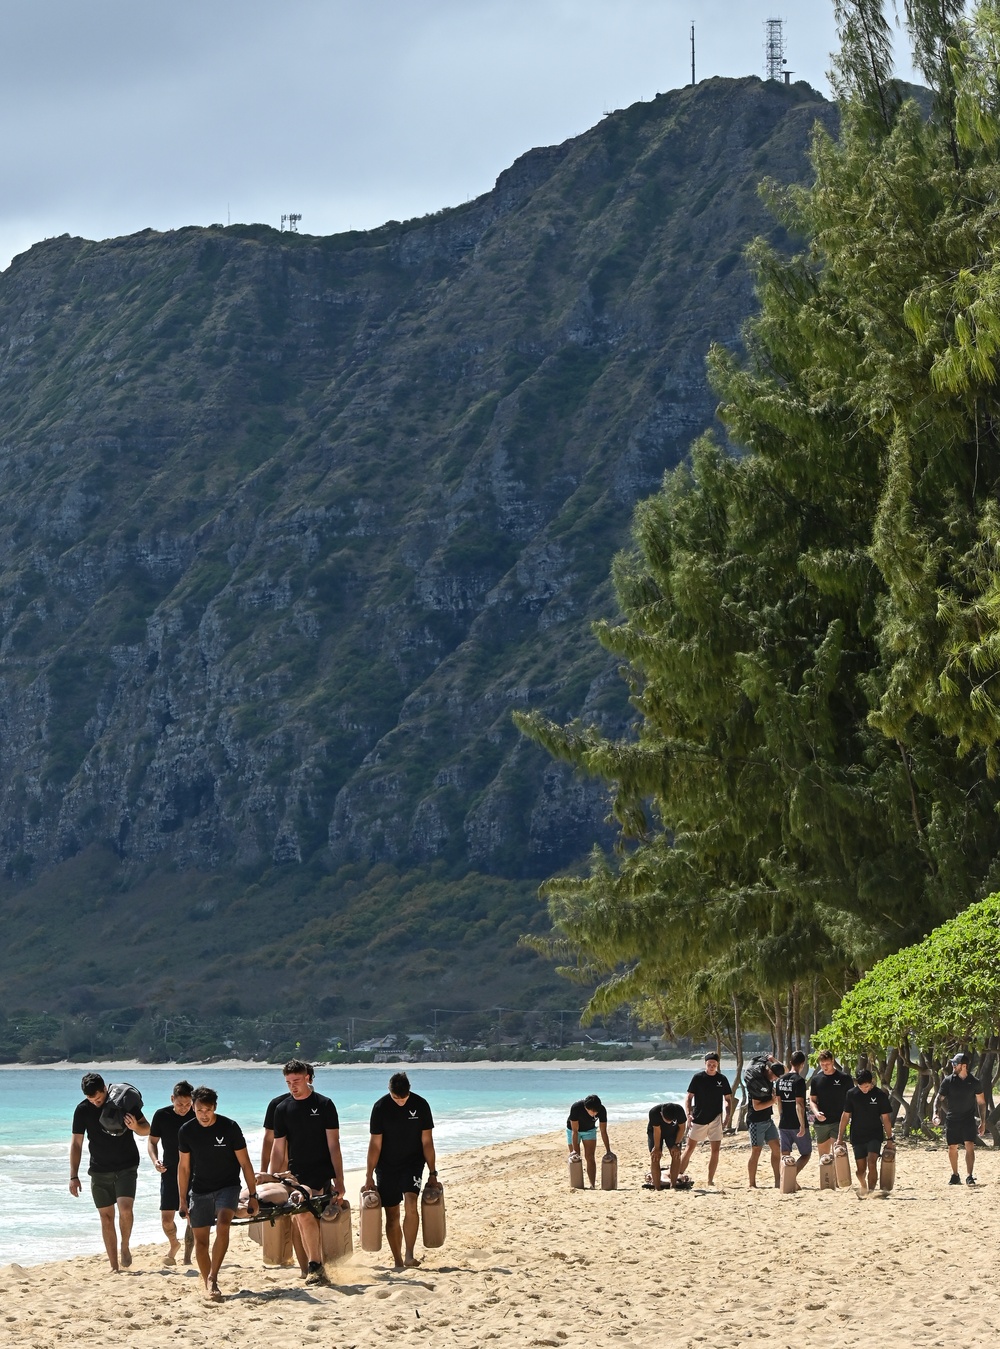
{"points": [[40, 1220]]}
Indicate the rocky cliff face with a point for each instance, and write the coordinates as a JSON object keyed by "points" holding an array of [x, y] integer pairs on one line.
{"points": [[288, 525]]}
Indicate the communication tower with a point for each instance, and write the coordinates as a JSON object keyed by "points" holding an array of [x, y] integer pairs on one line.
{"points": [[292, 221], [774, 50]]}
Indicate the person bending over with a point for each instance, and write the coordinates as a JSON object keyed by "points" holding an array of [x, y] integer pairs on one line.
{"points": [[212, 1152], [401, 1141], [960, 1094], [114, 1166], [708, 1095], [663, 1134], [585, 1117], [867, 1110], [307, 1143], [164, 1127]]}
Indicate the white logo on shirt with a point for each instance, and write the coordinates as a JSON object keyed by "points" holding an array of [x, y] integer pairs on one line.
{"points": [[314, 1112], [220, 1142], [413, 1114]]}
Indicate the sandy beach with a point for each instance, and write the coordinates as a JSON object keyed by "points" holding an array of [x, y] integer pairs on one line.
{"points": [[531, 1262]]}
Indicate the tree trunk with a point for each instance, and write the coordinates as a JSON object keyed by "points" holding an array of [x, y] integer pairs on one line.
{"points": [[741, 1095]]}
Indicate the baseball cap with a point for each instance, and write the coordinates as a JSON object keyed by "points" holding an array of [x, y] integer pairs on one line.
{"points": [[960, 1058]]}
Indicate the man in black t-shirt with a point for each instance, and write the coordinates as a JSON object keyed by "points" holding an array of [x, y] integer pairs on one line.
{"points": [[307, 1142], [164, 1126], [211, 1154], [400, 1142], [708, 1094], [268, 1143], [584, 1119], [762, 1129], [113, 1169], [664, 1132], [793, 1127], [961, 1094], [828, 1090], [868, 1110], [265, 1166]]}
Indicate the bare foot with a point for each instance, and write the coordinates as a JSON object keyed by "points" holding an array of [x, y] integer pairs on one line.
{"points": [[114, 1270], [411, 1262], [398, 1268], [126, 1257], [213, 1292]]}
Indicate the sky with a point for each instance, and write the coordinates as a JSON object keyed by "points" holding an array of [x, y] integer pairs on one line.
{"points": [[124, 114]]}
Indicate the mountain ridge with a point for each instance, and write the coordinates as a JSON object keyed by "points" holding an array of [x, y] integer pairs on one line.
{"points": [[289, 525]]}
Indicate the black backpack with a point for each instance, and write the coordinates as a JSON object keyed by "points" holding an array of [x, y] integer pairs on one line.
{"points": [[122, 1099], [757, 1079]]}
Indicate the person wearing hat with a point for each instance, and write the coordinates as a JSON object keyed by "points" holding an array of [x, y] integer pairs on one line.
{"points": [[585, 1117], [709, 1094], [960, 1093]]}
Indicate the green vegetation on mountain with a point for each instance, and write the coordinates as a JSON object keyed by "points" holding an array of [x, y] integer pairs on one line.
{"points": [[810, 633], [288, 525]]}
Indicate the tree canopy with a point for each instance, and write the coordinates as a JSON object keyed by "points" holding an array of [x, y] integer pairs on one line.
{"points": [[809, 629]]}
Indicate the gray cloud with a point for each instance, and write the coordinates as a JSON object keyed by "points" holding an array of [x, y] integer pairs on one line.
{"points": [[123, 114]]}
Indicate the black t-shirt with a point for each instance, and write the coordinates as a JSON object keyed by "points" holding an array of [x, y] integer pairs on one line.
{"points": [[670, 1128], [272, 1107], [959, 1094], [212, 1149], [866, 1109], [830, 1092], [165, 1126], [304, 1123], [709, 1091], [791, 1087], [108, 1152], [585, 1121], [401, 1127]]}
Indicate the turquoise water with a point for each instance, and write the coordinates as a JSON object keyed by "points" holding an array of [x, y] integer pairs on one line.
{"points": [[40, 1220]]}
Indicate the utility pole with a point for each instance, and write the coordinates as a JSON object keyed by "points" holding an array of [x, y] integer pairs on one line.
{"points": [[693, 81]]}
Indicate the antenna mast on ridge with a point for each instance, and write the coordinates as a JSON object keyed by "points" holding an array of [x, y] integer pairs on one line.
{"points": [[693, 81], [774, 51]]}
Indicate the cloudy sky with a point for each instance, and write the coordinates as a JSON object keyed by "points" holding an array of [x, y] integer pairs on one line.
{"points": [[122, 114]]}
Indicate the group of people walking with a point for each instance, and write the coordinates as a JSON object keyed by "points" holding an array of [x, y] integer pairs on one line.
{"points": [[831, 1107], [202, 1155]]}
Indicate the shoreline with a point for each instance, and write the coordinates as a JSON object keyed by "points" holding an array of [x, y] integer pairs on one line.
{"points": [[485, 1065]]}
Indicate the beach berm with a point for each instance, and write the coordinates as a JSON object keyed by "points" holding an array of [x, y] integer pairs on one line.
{"points": [[530, 1262]]}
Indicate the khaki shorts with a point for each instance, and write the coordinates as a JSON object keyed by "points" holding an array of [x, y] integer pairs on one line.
{"points": [[706, 1133]]}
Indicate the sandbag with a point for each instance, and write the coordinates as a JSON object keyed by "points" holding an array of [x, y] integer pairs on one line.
{"points": [[335, 1231], [609, 1172], [827, 1172], [887, 1168], [432, 1219], [575, 1171], [789, 1183], [371, 1221], [122, 1099], [843, 1165]]}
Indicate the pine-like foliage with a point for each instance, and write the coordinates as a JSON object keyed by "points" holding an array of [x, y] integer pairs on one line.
{"points": [[810, 624]]}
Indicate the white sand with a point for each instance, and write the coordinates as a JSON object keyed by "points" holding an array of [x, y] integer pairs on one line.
{"points": [[530, 1262]]}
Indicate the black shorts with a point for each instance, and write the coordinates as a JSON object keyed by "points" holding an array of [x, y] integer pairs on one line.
{"points": [[392, 1182], [316, 1183], [961, 1129], [669, 1137], [169, 1198], [865, 1147]]}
